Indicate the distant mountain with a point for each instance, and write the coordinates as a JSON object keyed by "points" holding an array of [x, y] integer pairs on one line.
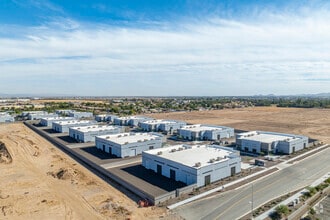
{"points": [[318, 95]]}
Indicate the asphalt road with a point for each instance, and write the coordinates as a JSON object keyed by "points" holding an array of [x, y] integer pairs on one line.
{"points": [[234, 204]]}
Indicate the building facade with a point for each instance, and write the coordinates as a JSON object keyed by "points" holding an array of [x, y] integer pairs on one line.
{"points": [[205, 132], [168, 126], [262, 141], [80, 115], [105, 118], [130, 120], [36, 115], [63, 126], [199, 165], [128, 144], [88, 133], [5, 117], [48, 122]]}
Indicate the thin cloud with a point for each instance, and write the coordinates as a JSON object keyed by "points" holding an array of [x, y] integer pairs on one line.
{"points": [[214, 55]]}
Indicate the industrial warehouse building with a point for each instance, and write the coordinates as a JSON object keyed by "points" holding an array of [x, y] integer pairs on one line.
{"points": [[48, 122], [64, 112], [205, 132], [261, 141], [105, 118], [199, 165], [63, 126], [130, 120], [162, 125], [35, 115], [5, 117], [128, 144], [80, 115], [88, 133]]}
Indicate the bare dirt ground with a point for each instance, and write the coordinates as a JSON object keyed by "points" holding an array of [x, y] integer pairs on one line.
{"points": [[39, 181], [314, 123]]}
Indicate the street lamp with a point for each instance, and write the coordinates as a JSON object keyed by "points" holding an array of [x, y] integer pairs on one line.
{"points": [[251, 201]]}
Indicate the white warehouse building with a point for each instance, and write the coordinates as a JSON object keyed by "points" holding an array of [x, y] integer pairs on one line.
{"points": [[130, 120], [80, 115], [39, 114], [48, 122], [128, 144], [5, 117], [162, 125], [63, 126], [205, 132], [199, 165], [262, 141], [105, 118], [88, 133]]}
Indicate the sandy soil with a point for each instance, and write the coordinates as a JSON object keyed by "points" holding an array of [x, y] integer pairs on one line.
{"points": [[314, 123], [41, 182]]}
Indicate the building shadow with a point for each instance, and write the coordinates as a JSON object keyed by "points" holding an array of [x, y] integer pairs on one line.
{"points": [[153, 178], [98, 153]]}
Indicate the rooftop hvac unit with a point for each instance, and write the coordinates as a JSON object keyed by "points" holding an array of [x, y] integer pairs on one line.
{"points": [[139, 141], [211, 160], [173, 150], [159, 153], [218, 158], [198, 164], [107, 137], [180, 148], [119, 136], [126, 142]]}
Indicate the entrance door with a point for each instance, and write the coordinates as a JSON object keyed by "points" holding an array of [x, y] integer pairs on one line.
{"points": [[172, 174], [232, 171], [159, 169], [293, 149], [132, 153], [110, 150], [207, 179]]}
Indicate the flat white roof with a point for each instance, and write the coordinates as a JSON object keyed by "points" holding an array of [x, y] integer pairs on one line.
{"points": [[160, 121], [132, 117], [90, 128], [267, 137], [199, 127], [74, 122], [192, 155], [57, 118], [125, 138]]}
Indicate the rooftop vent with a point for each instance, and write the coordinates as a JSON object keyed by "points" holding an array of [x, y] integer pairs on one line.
{"points": [[218, 158], [212, 160], [180, 149], [173, 150], [198, 164], [159, 153]]}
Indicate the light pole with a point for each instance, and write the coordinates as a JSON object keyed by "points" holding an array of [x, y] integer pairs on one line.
{"points": [[252, 202]]}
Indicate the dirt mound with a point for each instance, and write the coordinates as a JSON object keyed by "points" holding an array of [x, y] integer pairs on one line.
{"points": [[67, 174], [5, 156]]}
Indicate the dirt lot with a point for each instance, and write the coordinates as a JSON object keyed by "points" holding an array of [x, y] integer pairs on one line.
{"points": [[41, 182], [314, 123]]}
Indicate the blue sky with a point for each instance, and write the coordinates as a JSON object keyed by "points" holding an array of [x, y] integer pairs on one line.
{"points": [[172, 47]]}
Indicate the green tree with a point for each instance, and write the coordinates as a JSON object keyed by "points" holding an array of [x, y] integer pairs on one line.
{"points": [[282, 210]]}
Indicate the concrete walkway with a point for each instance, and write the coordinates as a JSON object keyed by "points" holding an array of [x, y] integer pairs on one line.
{"points": [[122, 163], [279, 166]]}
